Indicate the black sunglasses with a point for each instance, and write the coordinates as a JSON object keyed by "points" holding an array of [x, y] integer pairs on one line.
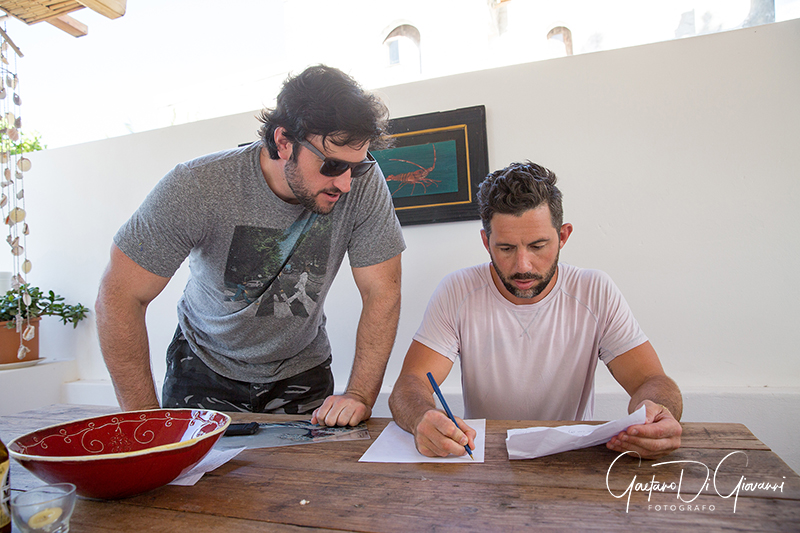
{"points": [[334, 167]]}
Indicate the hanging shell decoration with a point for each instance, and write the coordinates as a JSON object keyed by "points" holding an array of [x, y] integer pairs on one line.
{"points": [[15, 215], [29, 332], [22, 352], [12, 196]]}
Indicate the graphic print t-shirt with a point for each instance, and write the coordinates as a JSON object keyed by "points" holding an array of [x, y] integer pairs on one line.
{"points": [[258, 258], [260, 268]]}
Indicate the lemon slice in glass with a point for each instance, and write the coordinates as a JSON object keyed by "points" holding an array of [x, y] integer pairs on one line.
{"points": [[45, 517]]}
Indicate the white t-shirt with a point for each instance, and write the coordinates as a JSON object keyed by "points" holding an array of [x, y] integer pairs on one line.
{"points": [[535, 361]]}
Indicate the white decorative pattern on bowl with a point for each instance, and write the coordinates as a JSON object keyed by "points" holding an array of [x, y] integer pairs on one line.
{"points": [[115, 456]]}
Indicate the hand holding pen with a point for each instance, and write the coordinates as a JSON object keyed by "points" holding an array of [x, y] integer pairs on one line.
{"points": [[447, 409]]}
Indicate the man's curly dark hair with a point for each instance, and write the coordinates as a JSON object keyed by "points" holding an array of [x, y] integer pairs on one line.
{"points": [[325, 101], [516, 189]]}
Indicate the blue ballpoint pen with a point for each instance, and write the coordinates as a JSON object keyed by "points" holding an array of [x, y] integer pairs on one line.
{"points": [[447, 409]]}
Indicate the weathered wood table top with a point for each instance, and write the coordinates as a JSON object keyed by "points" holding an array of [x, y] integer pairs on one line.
{"points": [[723, 477]]}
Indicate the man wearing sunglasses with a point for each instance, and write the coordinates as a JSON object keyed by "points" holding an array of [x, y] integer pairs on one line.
{"points": [[266, 227]]}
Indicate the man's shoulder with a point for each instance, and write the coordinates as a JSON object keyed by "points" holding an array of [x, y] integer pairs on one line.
{"points": [[573, 275], [205, 176], [470, 275], [464, 281], [592, 287], [223, 158]]}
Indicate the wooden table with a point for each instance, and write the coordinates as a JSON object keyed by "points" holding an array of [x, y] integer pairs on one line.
{"points": [[262, 489]]}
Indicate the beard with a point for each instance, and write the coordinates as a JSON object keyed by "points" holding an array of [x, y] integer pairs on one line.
{"points": [[533, 292], [294, 178]]}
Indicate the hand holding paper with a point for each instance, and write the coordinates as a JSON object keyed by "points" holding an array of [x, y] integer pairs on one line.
{"points": [[539, 441], [658, 436]]}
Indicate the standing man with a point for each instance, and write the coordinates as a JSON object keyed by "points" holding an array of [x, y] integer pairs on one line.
{"points": [[265, 227], [528, 332]]}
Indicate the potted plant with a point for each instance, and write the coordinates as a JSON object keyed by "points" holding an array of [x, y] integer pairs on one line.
{"points": [[20, 312]]}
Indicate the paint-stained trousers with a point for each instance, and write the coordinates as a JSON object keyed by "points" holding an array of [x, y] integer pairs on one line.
{"points": [[191, 383]]}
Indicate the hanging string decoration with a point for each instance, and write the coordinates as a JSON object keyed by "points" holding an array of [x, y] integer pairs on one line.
{"points": [[13, 167]]}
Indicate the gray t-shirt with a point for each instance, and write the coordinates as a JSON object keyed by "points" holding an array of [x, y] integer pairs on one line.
{"points": [[252, 309]]}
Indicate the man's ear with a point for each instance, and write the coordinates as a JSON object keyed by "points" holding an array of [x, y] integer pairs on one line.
{"points": [[284, 145], [563, 235], [485, 239]]}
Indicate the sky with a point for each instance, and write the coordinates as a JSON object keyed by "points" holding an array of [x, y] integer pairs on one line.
{"points": [[168, 62], [129, 73]]}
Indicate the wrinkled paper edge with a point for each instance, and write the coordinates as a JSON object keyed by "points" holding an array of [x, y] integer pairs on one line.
{"points": [[529, 443], [212, 461]]}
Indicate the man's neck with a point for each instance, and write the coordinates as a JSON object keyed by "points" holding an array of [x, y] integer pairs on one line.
{"points": [[272, 170]]}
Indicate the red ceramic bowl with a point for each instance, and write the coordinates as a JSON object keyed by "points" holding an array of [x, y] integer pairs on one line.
{"points": [[123, 454]]}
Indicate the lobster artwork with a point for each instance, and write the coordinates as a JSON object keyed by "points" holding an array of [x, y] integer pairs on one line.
{"points": [[417, 177]]}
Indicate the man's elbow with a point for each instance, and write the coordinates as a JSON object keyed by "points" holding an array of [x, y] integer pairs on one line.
{"points": [[396, 403], [386, 300], [674, 396], [101, 303], [662, 390]]}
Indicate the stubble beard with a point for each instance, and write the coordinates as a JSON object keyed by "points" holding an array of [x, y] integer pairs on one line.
{"points": [[533, 292], [294, 179]]}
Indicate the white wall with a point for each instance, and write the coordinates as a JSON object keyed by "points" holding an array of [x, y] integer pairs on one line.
{"points": [[679, 167]]}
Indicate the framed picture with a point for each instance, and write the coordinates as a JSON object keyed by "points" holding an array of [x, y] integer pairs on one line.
{"points": [[435, 165]]}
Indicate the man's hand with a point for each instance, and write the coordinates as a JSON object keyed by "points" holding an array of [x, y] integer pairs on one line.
{"points": [[437, 436], [659, 435], [379, 286], [345, 410]]}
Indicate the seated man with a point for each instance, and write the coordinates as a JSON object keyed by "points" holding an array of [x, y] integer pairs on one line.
{"points": [[528, 331]]}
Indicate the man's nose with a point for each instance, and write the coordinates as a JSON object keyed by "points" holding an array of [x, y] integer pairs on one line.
{"points": [[524, 263], [342, 181]]}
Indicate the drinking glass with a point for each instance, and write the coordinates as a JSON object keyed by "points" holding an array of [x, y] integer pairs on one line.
{"points": [[44, 509]]}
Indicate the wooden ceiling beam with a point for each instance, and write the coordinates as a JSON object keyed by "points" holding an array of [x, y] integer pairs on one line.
{"points": [[55, 12], [108, 8], [11, 43], [33, 11], [69, 25]]}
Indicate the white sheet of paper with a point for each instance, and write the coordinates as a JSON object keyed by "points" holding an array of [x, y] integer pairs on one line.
{"points": [[395, 445], [534, 442], [212, 461]]}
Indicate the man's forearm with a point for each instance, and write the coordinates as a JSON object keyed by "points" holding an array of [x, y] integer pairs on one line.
{"points": [[375, 337], [661, 390], [123, 341], [409, 401]]}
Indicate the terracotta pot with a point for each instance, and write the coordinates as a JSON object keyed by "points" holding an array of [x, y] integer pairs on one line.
{"points": [[10, 339]]}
